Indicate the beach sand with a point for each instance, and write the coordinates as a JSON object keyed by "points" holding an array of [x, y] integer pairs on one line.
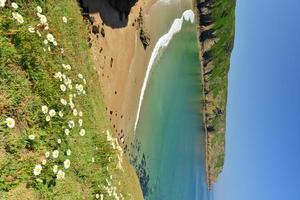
{"points": [[120, 60]]}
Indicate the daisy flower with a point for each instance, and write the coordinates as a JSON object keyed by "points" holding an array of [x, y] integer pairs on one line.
{"points": [[63, 101], [55, 169], [2, 3], [39, 9], [65, 20], [54, 43], [37, 170], [10, 122], [31, 29], [67, 131], [50, 37], [43, 19], [63, 87], [80, 114], [48, 118], [82, 132], [75, 112], [44, 162], [93, 159], [60, 174], [14, 5], [69, 152], [67, 163], [60, 113], [31, 137], [97, 196], [59, 141], [47, 154], [71, 124], [18, 17], [80, 122], [45, 42], [55, 154], [52, 113], [45, 109]]}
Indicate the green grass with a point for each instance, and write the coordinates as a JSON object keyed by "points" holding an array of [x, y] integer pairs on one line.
{"points": [[26, 84], [222, 13]]}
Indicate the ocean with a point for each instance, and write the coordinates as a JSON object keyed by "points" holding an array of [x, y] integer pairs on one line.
{"points": [[169, 148]]}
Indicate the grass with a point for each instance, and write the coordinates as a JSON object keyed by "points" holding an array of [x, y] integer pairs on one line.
{"points": [[26, 84], [222, 13]]}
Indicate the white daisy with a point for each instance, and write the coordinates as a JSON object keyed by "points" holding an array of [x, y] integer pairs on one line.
{"points": [[67, 131], [80, 122], [75, 112], [2, 3], [14, 5], [10, 122], [44, 162], [97, 196], [70, 86], [63, 87], [31, 137], [55, 169], [47, 154], [43, 19], [63, 101], [60, 174], [52, 113], [80, 114], [45, 109], [59, 141], [37, 170], [71, 124], [48, 118], [55, 154], [31, 29], [54, 43], [50, 37], [82, 132], [18, 17], [65, 20], [69, 152], [93, 159], [80, 76], [67, 163], [39, 9], [62, 51], [45, 42], [61, 114]]}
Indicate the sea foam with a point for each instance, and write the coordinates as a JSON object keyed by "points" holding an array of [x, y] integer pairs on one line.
{"points": [[163, 42]]}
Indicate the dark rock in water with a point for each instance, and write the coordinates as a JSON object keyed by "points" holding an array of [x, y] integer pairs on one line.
{"points": [[95, 29]]}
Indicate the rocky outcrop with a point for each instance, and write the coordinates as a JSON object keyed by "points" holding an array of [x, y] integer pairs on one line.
{"points": [[216, 34]]}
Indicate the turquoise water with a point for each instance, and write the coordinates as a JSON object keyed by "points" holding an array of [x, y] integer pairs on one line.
{"points": [[170, 133]]}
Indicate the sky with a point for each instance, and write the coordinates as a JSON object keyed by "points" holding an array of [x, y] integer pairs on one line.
{"points": [[263, 112]]}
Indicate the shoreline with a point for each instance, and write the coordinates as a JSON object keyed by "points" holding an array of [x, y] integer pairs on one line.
{"points": [[200, 46]]}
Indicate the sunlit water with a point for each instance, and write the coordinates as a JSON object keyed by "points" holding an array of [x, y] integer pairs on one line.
{"points": [[170, 130]]}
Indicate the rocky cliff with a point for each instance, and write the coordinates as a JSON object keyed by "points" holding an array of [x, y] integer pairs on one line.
{"points": [[216, 20]]}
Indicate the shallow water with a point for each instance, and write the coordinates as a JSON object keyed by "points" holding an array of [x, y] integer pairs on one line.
{"points": [[170, 133]]}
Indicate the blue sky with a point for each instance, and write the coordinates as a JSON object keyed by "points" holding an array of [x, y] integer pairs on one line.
{"points": [[263, 114]]}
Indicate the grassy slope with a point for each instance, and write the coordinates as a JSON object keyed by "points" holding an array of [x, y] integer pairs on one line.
{"points": [[27, 83], [219, 23]]}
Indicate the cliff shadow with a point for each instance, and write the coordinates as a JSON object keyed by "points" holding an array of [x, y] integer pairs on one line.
{"points": [[114, 13]]}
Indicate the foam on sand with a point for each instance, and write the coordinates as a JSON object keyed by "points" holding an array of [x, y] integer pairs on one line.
{"points": [[163, 42]]}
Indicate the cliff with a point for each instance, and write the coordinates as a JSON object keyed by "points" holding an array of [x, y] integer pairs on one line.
{"points": [[216, 30]]}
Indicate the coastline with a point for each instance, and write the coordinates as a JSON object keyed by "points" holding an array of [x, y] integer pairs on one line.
{"points": [[198, 32]]}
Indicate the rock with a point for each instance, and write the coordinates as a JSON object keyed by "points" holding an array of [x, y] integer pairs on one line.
{"points": [[95, 29], [102, 32]]}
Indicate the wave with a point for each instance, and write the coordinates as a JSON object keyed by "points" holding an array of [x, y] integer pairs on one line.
{"points": [[163, 42]]}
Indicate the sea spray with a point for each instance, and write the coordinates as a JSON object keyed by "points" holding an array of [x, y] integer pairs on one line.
{"points": [[163, 42]]}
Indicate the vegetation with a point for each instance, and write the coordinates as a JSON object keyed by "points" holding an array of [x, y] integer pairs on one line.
{"points": [[217, 27], [55, 140]]}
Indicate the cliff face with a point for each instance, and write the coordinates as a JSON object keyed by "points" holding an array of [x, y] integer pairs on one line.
{"points": [[122, 6], [216, 36]]}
